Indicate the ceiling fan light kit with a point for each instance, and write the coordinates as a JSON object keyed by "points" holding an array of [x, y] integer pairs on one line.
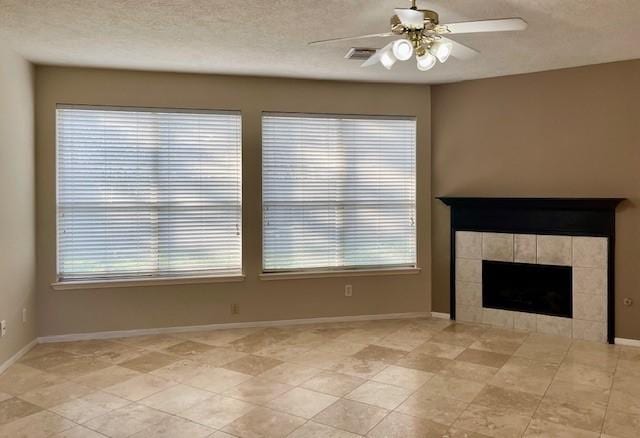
{"points": [[422, 35]]}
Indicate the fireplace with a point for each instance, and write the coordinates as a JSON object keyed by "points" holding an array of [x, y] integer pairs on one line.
{"points": [[526, 287], [537, 264]]}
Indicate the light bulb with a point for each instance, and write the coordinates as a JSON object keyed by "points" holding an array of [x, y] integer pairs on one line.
{"points": [[402, 49], [426, 61], [386, 58], [441, 50]]}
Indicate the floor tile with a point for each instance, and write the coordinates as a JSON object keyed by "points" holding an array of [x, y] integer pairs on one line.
{"points": [[576, 372], [351, 416], [259, 340], [13, 409], [149, 362], [82, 410], [262, 422], [176, 399], [379, 354], [337, 380], [379, 394], [79, 366], [622, 424], [362, 368], [19, 379], [542, 429], [432, 407], [341, 348], [106, 377], [452, 387], [126, 421], [290, 373], [523, 374], [469, 371], [317, 430], [522, 402], [217, 411], [252, 365], [257, 390], [49, 360], [544, 348], [333, 383], [182, 370], [302, 402], [455, 432], [52, 395], [581, 394], [496, 345], [152, 342], [436, 349], [625, 401], [39, 425], [217, 380], [567, 413], [494, 422], [139, 387], [218, 356], [404, 377], [397, 425], [174, 427], [188, 348], [78, 432], [424, 362], [485, 358]]}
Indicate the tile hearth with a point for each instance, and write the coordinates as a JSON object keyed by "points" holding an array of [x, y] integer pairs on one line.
{"points": [[392, 378], [587, 256]]}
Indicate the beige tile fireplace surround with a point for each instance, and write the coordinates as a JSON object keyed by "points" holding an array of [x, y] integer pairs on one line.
{"points": [[587, 257]]}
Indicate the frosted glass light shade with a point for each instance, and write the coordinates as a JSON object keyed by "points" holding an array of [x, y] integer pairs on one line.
{"points": [[426, 61], [387, 59], [441, 50], [402, 49]]}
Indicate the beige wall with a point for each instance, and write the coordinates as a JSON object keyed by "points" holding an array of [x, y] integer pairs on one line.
{"points": [[17, 203], [63, 312], [573, 132]]}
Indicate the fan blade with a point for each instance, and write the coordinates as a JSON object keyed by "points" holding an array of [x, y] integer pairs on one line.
{"points": [[360, 37], [411, 18], [375, 58], [460, 51], [499, 25]]}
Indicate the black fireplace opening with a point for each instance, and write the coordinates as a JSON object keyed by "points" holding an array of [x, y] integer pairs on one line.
{"points": [[525, 287]]}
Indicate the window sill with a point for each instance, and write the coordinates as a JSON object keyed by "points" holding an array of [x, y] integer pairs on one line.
{"points": [[140, 282], [345, 273]]}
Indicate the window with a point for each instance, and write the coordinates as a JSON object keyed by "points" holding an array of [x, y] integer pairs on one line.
{"points": [[148, 193], [338, 192]]}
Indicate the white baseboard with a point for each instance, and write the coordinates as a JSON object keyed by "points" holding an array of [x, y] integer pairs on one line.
{"points": [[440, 315], [627, 342], [226, 326], [16, 357]]}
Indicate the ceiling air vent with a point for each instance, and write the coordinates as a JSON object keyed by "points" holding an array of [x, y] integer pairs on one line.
{"points": [[360, 53]]}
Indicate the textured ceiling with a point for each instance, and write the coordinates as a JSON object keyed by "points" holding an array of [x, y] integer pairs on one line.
{"points": [[268, 37]]}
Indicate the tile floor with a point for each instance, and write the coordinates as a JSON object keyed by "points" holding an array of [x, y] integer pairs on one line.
{"points": [[394, 378]]}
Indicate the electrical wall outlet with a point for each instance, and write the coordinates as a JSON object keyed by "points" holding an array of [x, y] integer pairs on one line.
{"points": [[24, 314], [235, 309], [3, 328], [348, 290]]}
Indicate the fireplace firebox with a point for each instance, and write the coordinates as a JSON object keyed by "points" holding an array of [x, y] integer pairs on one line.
{"points": [[524, 287]]}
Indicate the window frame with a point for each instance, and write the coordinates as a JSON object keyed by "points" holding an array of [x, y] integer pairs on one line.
{"points": [[339, 271], [143, 280]]}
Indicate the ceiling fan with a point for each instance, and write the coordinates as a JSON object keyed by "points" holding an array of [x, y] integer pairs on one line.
{"points": [[422, 34]]}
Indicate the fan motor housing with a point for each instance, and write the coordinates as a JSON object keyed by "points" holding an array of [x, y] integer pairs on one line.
{"points": [[430, 18]]}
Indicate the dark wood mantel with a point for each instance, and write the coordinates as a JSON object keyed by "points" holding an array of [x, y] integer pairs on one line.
{"points": [[558, 216]]}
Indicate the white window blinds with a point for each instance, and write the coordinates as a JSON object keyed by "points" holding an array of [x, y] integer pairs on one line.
{"points": [[148, 193], [338, 192]]}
